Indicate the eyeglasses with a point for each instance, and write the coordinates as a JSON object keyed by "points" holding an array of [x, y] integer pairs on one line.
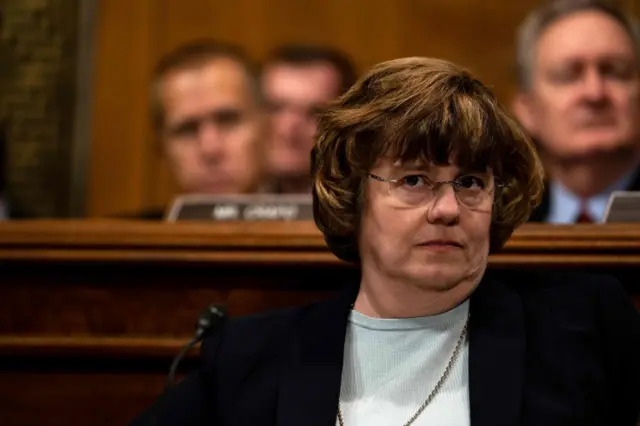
{"points": [[472, 190]]}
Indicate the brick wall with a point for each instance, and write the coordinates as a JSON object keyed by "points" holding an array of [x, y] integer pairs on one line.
{"points": [[37, 81]]}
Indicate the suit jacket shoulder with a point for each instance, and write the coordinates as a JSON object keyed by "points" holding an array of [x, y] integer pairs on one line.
{"points": [[228, 357], [563, 283], [244, 341], [584, 331], [568, 295]]}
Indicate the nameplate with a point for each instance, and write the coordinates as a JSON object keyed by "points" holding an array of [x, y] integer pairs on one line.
{"points": [[623, 207], [258, 207]]}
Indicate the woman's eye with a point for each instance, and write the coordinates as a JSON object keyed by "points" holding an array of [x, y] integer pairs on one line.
{"points": [[413, 181], [472, 182]]}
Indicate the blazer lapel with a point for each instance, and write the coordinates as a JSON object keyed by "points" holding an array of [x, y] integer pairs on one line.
{"points": [[312, 372], [496, 355]]}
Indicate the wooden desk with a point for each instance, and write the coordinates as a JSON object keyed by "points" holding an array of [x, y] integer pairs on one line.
{"points": [[92, 312]]}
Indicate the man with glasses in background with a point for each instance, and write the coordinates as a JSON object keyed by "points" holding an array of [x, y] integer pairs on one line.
{"points": [[579, 97]]}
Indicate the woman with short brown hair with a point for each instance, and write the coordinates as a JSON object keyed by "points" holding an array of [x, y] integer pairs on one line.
{"points": [[418, 175], [426, 110]]}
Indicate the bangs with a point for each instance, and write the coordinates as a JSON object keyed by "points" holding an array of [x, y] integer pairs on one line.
{"points": [[462, 130]]}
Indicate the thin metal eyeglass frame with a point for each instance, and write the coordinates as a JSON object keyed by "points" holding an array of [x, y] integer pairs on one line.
{"points": [[497, 184]]}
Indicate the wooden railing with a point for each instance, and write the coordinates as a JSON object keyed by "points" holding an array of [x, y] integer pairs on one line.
{"points": [[259, 242]]}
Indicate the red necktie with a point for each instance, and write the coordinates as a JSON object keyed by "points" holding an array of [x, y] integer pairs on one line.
{"points": [[584, 216]]}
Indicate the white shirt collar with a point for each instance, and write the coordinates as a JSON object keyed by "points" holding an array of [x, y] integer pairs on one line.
{"points": [[565, 206]]}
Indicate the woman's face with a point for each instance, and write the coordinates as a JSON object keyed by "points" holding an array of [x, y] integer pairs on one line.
{"points": [[437, 244]]}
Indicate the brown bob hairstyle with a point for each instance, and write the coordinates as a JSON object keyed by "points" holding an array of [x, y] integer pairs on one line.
{"points": [[426, 110]]}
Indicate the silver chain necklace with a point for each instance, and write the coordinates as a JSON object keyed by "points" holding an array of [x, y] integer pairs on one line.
{"points": [[438, 385]]}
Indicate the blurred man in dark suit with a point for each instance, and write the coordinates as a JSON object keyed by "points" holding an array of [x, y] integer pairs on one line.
{"points": [[578, 63], [298, 81], [207, 112]]}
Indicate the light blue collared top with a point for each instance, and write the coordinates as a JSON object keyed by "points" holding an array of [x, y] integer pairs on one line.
{"points": [[565, 206]]}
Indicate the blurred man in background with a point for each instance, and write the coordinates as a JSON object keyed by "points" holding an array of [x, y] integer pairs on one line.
{"points": [[207, 111], [579, 98], [298, 81]]}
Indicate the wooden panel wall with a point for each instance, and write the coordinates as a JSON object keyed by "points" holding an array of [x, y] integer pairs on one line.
{"points": [[127, 171]]}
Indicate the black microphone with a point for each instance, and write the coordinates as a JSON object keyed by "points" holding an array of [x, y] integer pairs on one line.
{"points": [[210, 320]]}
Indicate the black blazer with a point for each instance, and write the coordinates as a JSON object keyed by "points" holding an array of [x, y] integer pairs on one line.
{"points": [[541, 213], [545, 349]]}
